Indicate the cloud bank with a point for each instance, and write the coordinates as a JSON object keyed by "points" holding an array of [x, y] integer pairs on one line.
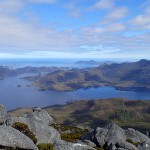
{"points": [[116, 32]]}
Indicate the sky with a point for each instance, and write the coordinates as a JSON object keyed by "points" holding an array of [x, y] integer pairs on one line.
{"points": [[103, 29]]}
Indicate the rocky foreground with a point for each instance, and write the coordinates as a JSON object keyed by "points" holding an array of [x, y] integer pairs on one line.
{"points": [[37, 131]]}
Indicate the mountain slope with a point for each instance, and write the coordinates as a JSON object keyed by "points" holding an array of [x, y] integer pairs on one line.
{"points": [[128, 76], [100, 112]]}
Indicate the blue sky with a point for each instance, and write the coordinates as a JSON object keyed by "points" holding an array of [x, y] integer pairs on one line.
{"points": [[104, 29]]}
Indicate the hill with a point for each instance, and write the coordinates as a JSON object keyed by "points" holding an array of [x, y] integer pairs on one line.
{"points": [[36, 130], [95, 113], [124, 76], [92, 62]]}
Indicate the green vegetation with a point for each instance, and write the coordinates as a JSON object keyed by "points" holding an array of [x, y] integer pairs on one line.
{"points": [[44, 146], [94, 113], [66, 127], [23, 128], [74, 134], [70, 137], [122, 114], [10, 148], [134, 143]]}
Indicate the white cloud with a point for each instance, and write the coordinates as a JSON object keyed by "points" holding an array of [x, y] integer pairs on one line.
{"points": [[115, 14], [115, 27], [141, 22], [12, 6], [42, 1], [103, 4], [26, 37], [9, 6], [20, 36], [74, 11]]}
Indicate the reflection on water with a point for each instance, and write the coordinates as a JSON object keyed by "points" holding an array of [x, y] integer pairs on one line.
{"points": [[14, 96]]}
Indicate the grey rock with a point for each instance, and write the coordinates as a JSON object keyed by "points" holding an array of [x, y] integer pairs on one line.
{"points": [[38, 122], [90, 143], [147, 133], [67, 131], [43, 116], [11, 137], [3, 114], [144, 146], [136, 136], [89, 136], [126, 146], [62, 145], [112, 134], [112, 147]]}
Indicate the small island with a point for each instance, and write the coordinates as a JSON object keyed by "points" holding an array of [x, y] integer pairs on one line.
{"points": [[90, 62]]}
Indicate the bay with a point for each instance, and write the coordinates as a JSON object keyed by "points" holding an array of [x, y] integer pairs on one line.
{"points": [[15, 93]]}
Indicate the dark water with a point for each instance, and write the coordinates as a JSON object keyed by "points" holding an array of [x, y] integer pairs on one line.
{"points": [[13, 96]]}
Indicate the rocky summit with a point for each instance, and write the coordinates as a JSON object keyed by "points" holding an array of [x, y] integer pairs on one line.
{"points": [[38, 131]]}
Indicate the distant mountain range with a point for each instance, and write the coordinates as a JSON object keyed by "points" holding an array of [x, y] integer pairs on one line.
{"points": [[7, 72], [123, 76], [92, 62]]}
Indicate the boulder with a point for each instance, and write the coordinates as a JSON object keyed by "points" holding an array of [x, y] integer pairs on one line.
{"points": [[38, 122], [136, 136], [144, 146], [3, 114], [90, 143], [125, 146], [62, 145], [43, 116], [112, 136], [10, 137]]}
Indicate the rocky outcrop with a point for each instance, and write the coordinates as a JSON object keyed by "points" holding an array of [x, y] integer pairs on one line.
{"points": [[136, 136], [61, 145], [3, 114], [115, 137], [10, 137], [39, 123], [144, 146], [110, 135]]}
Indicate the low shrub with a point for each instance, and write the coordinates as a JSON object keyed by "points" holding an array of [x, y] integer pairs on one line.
{"points": [[10, 148], [74, 135], [70, 137], [23, 128], [44, 146], [134, 143]]}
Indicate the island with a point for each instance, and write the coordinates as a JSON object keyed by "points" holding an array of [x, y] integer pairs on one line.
{"points": [[123, 76], [93, 62]]}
